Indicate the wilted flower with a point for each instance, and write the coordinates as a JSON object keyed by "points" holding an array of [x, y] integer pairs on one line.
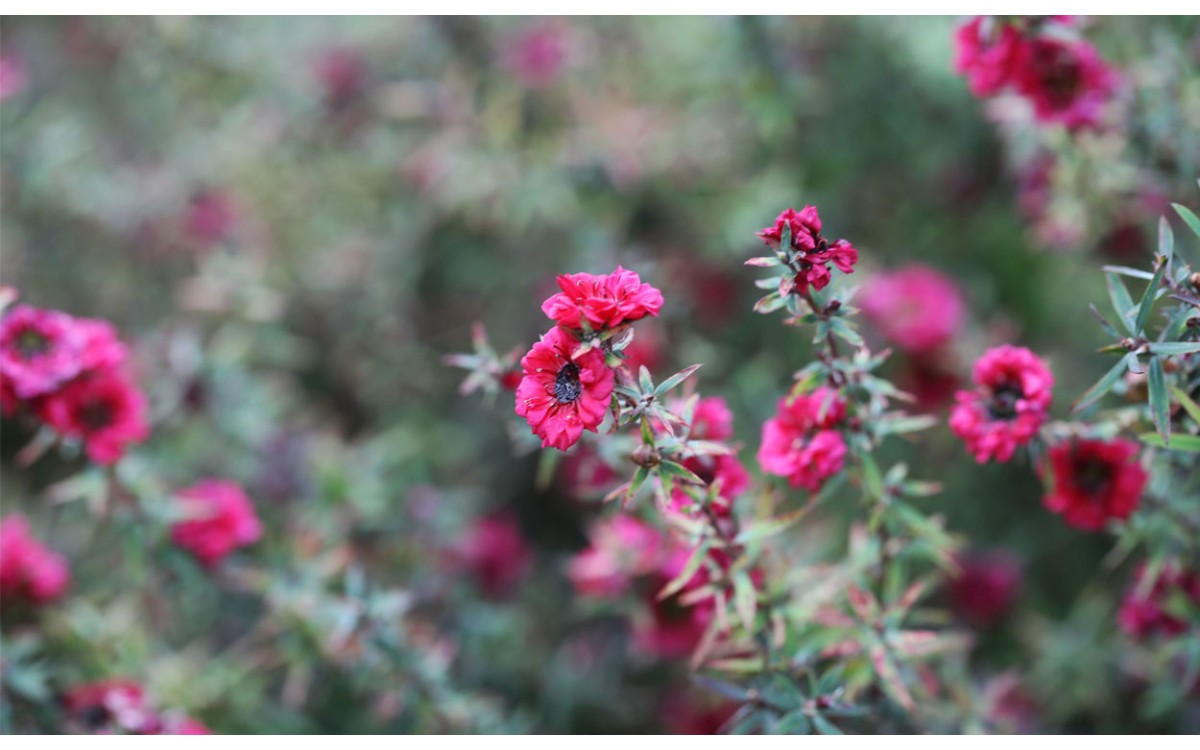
{"points": [[800, 443], [1008, 406], [1091, 482], [1148, 610], [915, 307], [219, 519], [29, 571], [559, 396]]}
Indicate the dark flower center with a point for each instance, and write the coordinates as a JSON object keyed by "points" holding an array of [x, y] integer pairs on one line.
{"points": [[566, 385], [94, 716], [31, 344], [1092, 475], [96, 415], [1004, 401], [1062, 76]]}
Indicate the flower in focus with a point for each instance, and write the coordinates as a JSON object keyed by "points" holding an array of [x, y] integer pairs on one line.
{"points": [[799, 442], [496, 552], [104, 411], [985, 586], [1094, 481], [915, 307], [1066, 81], [1008, 406], [219, 519], [987, 53], [814, 253], [1148, 607], [29, 571], [559, 396], [39, 350], [622, 548], [603, 301]]}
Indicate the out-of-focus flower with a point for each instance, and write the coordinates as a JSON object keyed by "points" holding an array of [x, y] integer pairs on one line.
{"points": [[536, 56], [342, 75], [496, 553], [103, 410], [1066, 81], [1009, 404], [1147, 610], [622, 548], [13, 76], [711, 420], [39, 350], [987, 52], [603, 301], [816, 252], [582, 472], [560, 397], [800, 443], [211, 217], [644, 351], [915, 307], [684, 712], [1092, 482], [110, 707], [668, 627], [220, 518], [985, 586], [931, 381], [29, 571], [727, 470]]}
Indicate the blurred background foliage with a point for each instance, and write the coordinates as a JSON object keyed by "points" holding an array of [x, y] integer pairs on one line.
{"points": [[293, 221]]}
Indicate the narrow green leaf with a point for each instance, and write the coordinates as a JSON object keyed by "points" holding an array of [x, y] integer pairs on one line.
{"points": [[1159, 404], [1147, 303], [1108, 327], [823, 725], [1188, 217], [647, 433], [1102, 386], [1132, 272], [1166, 239], [675, 379], [1122, 302], [694, 562], [1186, 443], [794, 723], [678, 470], [1174, 347], [770, 303], [745, 599], [644, 380], [1190, 406], [872, 480]]}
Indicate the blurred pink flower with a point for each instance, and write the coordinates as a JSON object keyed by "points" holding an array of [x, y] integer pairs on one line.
{"points": [[915, 307], [1092, 482], [1010, 403], [39, 350], [211, 217], [668, 627], [110, 707], [985, 587], [800, 443], [13, 76], [342, 75], [1066, 81], [29, 571], [496, 553], [536, 56], [1149, 613], [987, 53], [622, 548], [220, 518], [103, 410]]}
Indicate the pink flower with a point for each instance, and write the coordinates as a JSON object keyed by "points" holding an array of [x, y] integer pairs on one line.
{"points": [[622, 548], [342, 74], [712, 420], [101, 348], [583, 472], [1151, 611], [988, 52], [39, 350], [220, 519], [29, 571], [13, 76], [561, 397], [985, 586], [1091, 482], [537, 55], [799, 442], [211, 217], [1008, 406], [604, 301], [1067, 82], [915, 307], [103, 410], [814, 253], [185, 725], [496, 552], [110, 707], [728, 470], [668, 627]]}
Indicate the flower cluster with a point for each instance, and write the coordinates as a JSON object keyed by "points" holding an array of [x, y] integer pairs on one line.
{"points": [[1064, 79], [121, 707], [1094, 481], [29, 572], [802, 442], [568, 380], [806, 251], [219, 518], [1010, 403], [67, 372]]}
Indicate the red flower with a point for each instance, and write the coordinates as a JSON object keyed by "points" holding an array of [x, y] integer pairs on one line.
{"points": [[799, 442], [985, 586], [622, 548], [1147, 609], [988, 52], [495, 551], [220, 519], [916, 307], [711, 420], [211, 217], [604, 301], [1094, 481], [1007, 407], [814, 252], [29, 571], [1067, 81], [103, 410], [110, 707], [685, 713], [561, 397], [101, 349], [39, 350]]}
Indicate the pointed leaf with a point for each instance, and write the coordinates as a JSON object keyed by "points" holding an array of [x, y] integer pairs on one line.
{"points": [[1136, 273], [675, 379], [1174, 347], [1147, 303], [1102, 386], [1166, 239], [1159, 403], [1188, 217], [1121, 300], [689, 570], [1186, 443], [1190, 406]]}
